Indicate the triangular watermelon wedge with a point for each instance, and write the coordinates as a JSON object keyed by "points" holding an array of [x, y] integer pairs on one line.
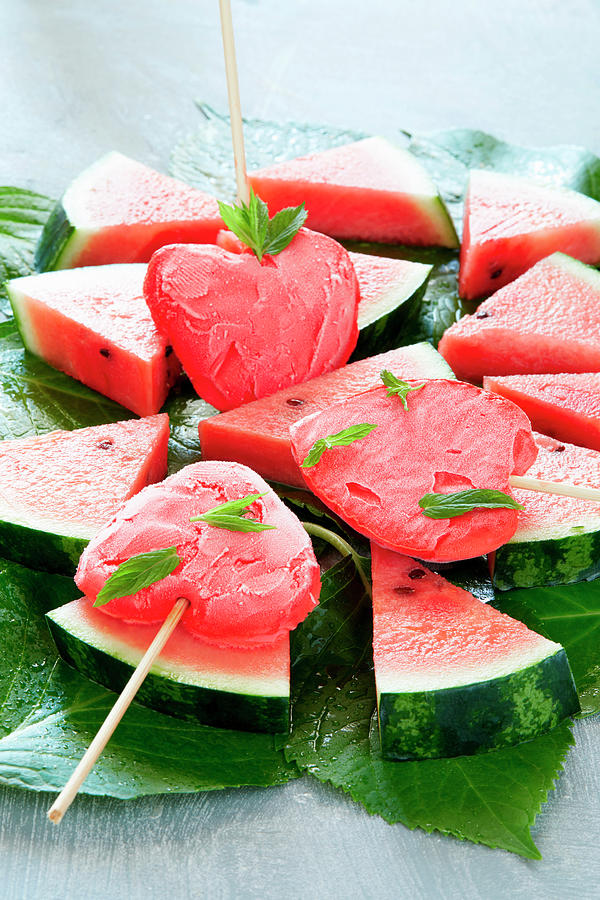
{"points": [[93, 324], [548, 320], [510, 223], [455, 676], [565, 406], [57, 490], [369, 190], [120, 211]]}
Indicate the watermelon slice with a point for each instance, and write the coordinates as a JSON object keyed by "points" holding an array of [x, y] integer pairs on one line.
{"points": [[244, 588], [121, 211], [511, 223], [455, 676], [452, 437], [257, 434], [548, 320], [244, 329], [93, 324], [390, 292], [370, 190], [557, 540], [242, 688], [58, 489], [565, 406]]}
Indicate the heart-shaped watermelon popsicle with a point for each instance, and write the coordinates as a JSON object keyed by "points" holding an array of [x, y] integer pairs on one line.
{"points": [[451, 437], [247, 324], [245, 587]]}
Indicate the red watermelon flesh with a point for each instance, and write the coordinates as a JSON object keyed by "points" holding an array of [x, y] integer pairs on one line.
{"points": [[430, 634], [368, 190], [258, 433], [74, 481], [93, 324], [566, 406], [511, 223], [244, 588], [123, 211], [547, 321], [244, 329], [453, 437]]}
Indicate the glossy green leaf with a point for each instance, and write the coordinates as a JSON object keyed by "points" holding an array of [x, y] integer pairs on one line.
{"points": [[49, 714], [22, 217], [570, 615], [342, 439], [449, 506]]}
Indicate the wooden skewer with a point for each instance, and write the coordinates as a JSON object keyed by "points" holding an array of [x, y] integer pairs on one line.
{"points": [[554, 487], [235, 107], [88, 760]]}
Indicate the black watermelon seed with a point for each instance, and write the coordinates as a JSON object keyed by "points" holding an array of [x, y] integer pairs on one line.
{"points": [[404, 589], [496, 273], [294, 401], [482, 315], [417, 573], [105, 445], [104, 352], [559, 448], [168, 350]]}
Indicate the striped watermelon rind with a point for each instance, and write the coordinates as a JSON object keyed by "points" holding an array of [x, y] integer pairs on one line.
{"points": [[475, 718], [107, 650]]}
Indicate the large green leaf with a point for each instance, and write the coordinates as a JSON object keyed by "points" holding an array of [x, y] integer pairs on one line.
{"points": [[492, 798], [570, 615], [22, 217], [49, 713]]}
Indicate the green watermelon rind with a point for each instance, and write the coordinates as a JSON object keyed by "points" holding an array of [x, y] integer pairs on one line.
{"points": [[383, 325], [165, 691], [54, 244], [42, 549], [558, 560], [475, 718]]}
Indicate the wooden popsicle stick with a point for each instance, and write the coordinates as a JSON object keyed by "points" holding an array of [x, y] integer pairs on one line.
{"points": [[554, 487], [88, 760], [235, 107]]}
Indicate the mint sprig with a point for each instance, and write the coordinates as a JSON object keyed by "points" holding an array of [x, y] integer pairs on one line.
{"points": [[230, 515], [138, 572], [449, 506], [398, 388], [251, 223], [341, 439]]}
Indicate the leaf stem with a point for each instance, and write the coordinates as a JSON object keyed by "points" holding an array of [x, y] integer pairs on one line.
{"points": [[342, 547]]}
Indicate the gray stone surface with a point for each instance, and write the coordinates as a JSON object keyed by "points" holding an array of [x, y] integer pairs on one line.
{"points": [[79, 78]]}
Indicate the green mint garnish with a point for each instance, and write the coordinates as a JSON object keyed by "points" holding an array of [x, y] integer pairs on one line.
{"points": [[341, 439], [138, 572], [448, 506], [229, 515], [257, 231], [398, 388]]}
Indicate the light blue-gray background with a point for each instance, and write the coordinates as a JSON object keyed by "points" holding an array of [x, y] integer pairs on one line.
{"points": [[82, 77]]}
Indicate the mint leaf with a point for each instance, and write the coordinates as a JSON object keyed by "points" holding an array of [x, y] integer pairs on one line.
{"points": [[262, 235], [229, 515], [341, 439], [138, 572], [397, 388], [284, 227], [448, 506]]}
